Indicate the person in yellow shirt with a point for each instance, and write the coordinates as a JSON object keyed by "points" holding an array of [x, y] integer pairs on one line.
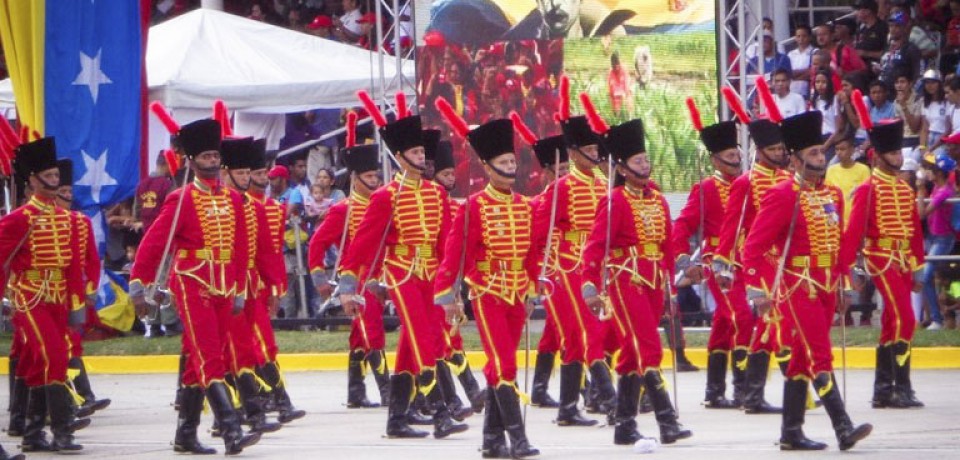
{"points": [[847, 174]]}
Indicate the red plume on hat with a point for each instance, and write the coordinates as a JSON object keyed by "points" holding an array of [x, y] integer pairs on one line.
{"points": [[351, 129], [525, 133], [173, 161], [694, 114], [8, 146], [862, 112], [372, 109], [222, 116], [734, 102], [402, 111], [773, 112], [564, 98], [164, 116], [458, 124], [593, 117]]}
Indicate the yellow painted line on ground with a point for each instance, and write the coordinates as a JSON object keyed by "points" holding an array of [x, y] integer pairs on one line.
{"points": [[857, 358]]}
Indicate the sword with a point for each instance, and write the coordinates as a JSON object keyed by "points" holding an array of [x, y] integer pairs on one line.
{"points": [[672, 318], [607, 309], [161, 285]]}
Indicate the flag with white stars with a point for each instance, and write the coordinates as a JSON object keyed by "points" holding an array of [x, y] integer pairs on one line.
{"points": [[92, 96]]}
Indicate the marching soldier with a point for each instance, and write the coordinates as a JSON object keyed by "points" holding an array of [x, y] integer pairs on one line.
{"points": [[885, 212], [91, 275], [547, 151], [806, 290], [406, 224], [630, 240], [367, 336], [440, 154], [266, 299], [769, 333], [43, 270], [499, 269], [703, 213], [237, 155], [573, 212], [208, 279]]}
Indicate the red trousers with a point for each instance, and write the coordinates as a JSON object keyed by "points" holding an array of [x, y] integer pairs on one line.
{"points": [[417, 347], [897, 322], [206, 322], [550, 338], [45, 352], [241, 350], [732, 320], [811, 319], [258, 317], [500, 324], [770, 336], [582, 341], [637, 309], [366, 331], [610, 336]]}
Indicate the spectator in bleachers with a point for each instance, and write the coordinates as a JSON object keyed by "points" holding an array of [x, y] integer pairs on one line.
{"points": [[279, 177], [935, 110], [826, 101], [321, 26], [872, 32], [901, 52], [348, 29], [952, 92], [879, 102], [256, 13], [295, 20], [788, 102], [917, 35], [151, 192], [845, 32], [843, 59], [801, 61], [772, 59], [950, 56], [940, 234], [909, 108], [848, 173]]}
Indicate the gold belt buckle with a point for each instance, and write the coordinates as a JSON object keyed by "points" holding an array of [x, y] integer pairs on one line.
{"points": [[824, 260], [651, 249], [44, 275]]}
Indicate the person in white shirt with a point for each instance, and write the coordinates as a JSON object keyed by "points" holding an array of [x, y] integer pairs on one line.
{"points": [[348, 28], [936, 109], [952, 92], [800, 61], [788, 102], [826, 101]]}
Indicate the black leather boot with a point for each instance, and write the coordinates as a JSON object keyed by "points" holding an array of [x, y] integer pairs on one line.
{"points": [[670, 429], [512, 418], [34, 438], [541, 381], [228, 419], [758, 365], [191, 405], [717, 382], [61, 410], [82, 385], [182, 366], [794, 408], [646, 406], [11, 375], [783, 361], [419, 412], [568, 414], [494, 440], [461, 368], [738, 370], [401, 392], [606, 396], [377, 360], [281, 399], [628, 398], [904, 396], [847, 434], [18, 407], [249, 390], [454, 404], [443, 423], [883, 378], [356, 388]]}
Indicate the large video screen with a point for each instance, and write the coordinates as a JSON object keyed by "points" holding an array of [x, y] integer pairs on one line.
{"points": [[635, 58]]}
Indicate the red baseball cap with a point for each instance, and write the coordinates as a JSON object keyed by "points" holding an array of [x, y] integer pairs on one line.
{"points": [[279, 171], [321, 20]]}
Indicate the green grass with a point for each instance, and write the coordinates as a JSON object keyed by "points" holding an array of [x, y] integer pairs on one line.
{"points": [[684, 66], [334, 342]]}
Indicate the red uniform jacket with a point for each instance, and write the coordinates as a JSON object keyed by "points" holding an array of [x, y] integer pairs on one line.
{"points": [[265, 266], [498, 259], [885, 211], [91, 256], [640, 235], [815, 247], [716, 193], [210, 241], [577, 197], [40, 247], [741, 212], [418, 215]]}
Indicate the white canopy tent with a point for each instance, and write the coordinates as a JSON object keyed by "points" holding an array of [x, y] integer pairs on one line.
{"points": [[260, 71]]}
